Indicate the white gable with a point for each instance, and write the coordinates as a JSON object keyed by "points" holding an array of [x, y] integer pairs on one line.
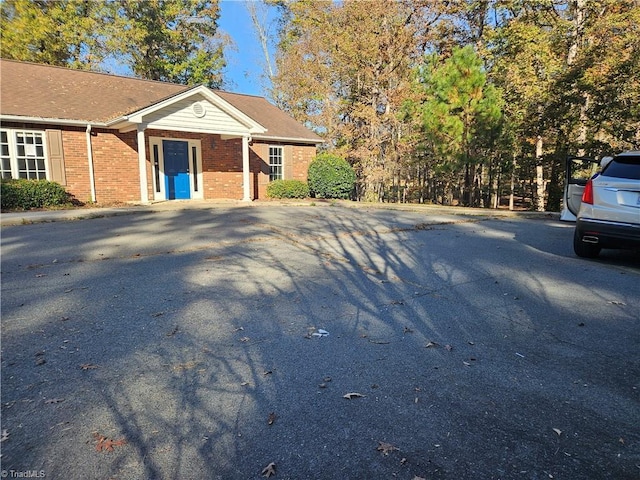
{"points": [[195, 110], [194, 114]]}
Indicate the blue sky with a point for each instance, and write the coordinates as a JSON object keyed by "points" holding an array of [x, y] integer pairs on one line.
{"points": [[245, 62]]}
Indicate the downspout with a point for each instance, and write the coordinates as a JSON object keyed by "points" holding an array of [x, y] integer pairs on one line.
{"points": [[92, 181], [246, 174]]}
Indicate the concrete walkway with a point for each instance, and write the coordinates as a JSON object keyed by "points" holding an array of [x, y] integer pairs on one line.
{"points": [[45, 216]]}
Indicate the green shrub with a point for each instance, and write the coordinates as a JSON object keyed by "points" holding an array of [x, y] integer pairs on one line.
{"points": [[22, 194], [287, 189], [331, 176]]}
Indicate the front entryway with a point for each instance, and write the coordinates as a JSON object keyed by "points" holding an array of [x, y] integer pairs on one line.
{"points": [[176, 169]]}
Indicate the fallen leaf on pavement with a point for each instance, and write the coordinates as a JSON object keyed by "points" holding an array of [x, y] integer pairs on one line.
{"points": [[386, 448], [106, 444], [352, 395], [173, 332], [269, 470], [185, 366], [272, 418]]}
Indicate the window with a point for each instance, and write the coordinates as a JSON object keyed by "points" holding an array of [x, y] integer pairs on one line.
{"points": [[623, 166], [22, 154], [275, 163], [5, 159]]}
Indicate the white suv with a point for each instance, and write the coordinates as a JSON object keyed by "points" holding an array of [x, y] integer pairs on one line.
{"points": [[609, 214]]}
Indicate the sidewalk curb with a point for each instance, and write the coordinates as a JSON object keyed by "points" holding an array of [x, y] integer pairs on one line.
{"points": [[48, 216]]}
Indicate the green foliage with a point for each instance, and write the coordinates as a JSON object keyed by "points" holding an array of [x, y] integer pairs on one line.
{"points": [[22, 194], [331, 176], [287, 189], [169, 40], [61, 32], [461, 114]]}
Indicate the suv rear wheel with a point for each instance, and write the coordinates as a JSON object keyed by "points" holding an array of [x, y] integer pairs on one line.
{"points": [[582, 249]]}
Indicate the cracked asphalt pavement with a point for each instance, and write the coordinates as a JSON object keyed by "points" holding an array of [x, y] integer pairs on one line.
{"points": [[316, 342]]}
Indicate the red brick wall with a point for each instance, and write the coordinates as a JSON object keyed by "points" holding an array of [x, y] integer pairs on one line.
{"points": [[76, 163], [116, 170], [115, 166], [296, 163], [222, 164], [301, 156]]}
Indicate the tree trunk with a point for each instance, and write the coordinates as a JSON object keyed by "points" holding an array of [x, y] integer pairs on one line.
{"points": [[513, 183], [539, 177], [574, 49]]}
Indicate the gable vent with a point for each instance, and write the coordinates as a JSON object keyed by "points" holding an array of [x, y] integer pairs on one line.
{"points": [[198, 110]]}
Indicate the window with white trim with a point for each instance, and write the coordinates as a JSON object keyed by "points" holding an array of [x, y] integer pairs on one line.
{"points": [[275, 164], [22, 154], [5, 159]]}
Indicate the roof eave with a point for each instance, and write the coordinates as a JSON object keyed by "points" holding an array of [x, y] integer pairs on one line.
{"points": [[50, 121], [315, 141]]}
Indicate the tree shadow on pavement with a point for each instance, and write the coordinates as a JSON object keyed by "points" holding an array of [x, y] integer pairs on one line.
{"points": [[200, 326]]}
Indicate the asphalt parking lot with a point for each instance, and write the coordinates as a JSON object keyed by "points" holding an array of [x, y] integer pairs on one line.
{"points": [[316, 342]]}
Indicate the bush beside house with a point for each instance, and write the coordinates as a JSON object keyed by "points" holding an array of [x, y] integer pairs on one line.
{"points": [[331, 176], [22, 194], [287, 189]]}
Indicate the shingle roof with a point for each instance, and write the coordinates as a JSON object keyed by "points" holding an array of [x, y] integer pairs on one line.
{"points": [[278, 123], [45, 91], [49, 92]]}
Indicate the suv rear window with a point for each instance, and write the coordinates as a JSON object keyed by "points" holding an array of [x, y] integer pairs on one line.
{"points": [[627, 166]]}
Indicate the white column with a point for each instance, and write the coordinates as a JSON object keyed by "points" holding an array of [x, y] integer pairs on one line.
{"points": [[246, 174], [142, 164], [92, 178]]}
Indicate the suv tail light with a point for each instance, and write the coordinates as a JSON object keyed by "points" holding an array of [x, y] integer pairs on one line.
{"points": [[587, 195]]}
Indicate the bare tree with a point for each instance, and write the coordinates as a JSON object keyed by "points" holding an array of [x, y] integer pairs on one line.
{"points": [[259, 13]]}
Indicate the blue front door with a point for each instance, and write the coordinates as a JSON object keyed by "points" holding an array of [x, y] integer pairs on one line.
{"points": [[176, 169]]}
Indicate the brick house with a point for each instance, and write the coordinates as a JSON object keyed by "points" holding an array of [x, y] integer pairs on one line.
{"points": [[110, 138]]}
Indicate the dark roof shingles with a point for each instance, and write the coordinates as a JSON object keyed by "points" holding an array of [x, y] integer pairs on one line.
{"points": [[44, 91]]}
